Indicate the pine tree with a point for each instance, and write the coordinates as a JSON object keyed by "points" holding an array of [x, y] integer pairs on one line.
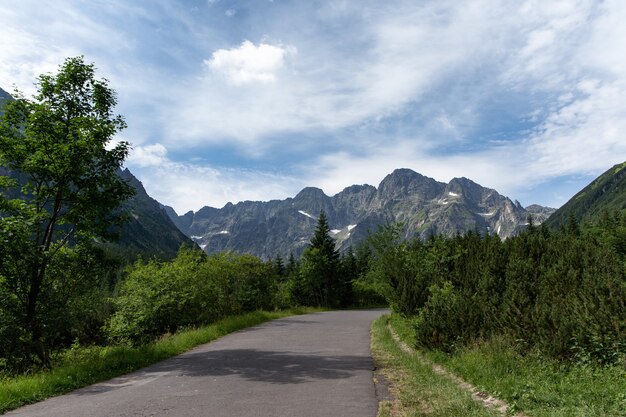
{"points": [[292, 264], [278, 267], [318, 281], [322, 240]]}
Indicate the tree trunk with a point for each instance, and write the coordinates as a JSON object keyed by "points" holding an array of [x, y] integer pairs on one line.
{"points": [[32, 320]]}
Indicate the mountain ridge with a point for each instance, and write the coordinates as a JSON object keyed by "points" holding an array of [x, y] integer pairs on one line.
{"points": [[149, 230], [606, 193], [425, 206]]}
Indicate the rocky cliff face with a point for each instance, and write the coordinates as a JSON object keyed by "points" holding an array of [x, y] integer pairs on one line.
{"points": [[423, 205], [149, 230]]}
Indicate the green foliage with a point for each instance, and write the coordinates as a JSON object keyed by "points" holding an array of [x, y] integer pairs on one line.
{"points": [[72, 306], [194, 289], [403, 270], [606, 194], [561, 293], [440, 321], [391, 270], [57, 144], [365, 290], [322, 280]]}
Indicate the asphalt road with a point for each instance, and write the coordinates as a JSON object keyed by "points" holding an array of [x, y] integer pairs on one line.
{"points": [[303, 366]]}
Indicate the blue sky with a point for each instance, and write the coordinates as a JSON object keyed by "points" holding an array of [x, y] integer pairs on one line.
{"points": [[253, 100]]}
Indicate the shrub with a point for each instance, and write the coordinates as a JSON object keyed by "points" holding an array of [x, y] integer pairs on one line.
{"points": [[193, 289]]}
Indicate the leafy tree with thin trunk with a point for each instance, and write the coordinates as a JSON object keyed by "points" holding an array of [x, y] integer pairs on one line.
{"points": [[57, 145]]}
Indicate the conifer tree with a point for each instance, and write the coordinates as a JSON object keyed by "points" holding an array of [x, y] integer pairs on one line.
{"points": [[278, 267], [317, 283], [322, 240]]}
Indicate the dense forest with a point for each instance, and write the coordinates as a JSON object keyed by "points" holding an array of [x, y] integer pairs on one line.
{"points": [[558, 292]]}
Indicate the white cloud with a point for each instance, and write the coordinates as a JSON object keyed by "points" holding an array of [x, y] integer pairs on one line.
{"points": [[35, 40], [584, 136], [188, 186], [372, 71], [149, 155], [248, 63], [434, 71]]}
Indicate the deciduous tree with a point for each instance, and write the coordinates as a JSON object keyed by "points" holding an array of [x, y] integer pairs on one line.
{"points": [[58, 145]]}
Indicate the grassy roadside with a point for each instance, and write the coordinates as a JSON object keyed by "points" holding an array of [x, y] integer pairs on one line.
{"points": [[418, 391], [84, 366], [536, 386]]}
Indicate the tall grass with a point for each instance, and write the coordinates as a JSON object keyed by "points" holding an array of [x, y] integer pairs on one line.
{"points": [[418, 389], [534, 384], [82, 366]]}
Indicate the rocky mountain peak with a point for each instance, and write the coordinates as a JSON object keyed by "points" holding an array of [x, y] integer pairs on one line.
{"points": [[310, 193], [4, 95], [358, 189], [402, 182], [131, 180], [467, 188]]}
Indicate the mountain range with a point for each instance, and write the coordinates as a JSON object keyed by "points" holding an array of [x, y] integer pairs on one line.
{"points": [[280, 227], [424, 205]]}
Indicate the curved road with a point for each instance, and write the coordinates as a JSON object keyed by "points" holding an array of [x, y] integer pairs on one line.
{"points": [[302, 366]]}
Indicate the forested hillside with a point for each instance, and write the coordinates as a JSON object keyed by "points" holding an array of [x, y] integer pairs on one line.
{"points": [[605, 195]]}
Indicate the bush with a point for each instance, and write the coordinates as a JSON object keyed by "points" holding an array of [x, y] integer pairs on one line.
{"points": [[192, 290], [439, 324]]}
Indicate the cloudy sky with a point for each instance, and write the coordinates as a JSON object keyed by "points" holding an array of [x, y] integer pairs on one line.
{"points": [[230, 100]]}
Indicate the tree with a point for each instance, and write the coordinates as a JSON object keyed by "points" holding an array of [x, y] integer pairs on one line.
{"points": [[398, 270], [278, 267], [318, 280], [57, 145]]}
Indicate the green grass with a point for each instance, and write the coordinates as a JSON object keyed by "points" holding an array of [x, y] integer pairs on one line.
{"points": [[419, 391], [83, 366], [537, 386]]}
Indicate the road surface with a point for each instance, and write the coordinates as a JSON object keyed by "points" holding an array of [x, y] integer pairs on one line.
{"points": [[303, 366]]}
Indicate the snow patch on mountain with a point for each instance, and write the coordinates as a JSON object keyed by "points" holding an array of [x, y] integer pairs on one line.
{"points": [[306, 214]]}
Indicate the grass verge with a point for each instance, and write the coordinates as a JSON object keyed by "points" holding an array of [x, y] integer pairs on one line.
{"points": [[531, 384], [83, 366], [416, 388]]}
